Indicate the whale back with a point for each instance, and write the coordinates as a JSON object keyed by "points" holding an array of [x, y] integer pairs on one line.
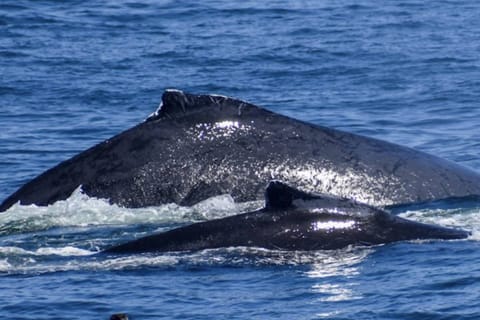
{"points": [[293, 220], [198, 146]]}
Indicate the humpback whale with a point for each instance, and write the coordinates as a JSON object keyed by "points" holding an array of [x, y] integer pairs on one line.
{"points": [[293, 220], [198, 146]]}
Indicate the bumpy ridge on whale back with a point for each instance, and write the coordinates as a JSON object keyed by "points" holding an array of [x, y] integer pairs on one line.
{"points": [[177, 103]]}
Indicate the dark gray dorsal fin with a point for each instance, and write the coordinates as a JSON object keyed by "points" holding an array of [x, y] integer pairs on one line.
{"points": [[177, 103], [279, 195]]}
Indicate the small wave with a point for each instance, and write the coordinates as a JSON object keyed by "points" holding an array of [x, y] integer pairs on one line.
{"points": [[80, 210], [67, 251]]}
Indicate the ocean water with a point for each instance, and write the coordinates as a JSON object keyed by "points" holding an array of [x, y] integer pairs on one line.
{"points": [[75, 73]]}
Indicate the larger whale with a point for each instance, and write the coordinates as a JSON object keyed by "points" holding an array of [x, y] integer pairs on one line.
{"points": [[199, 146], [293, 220]]}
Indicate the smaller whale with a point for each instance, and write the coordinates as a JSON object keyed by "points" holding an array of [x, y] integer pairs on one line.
{"points": [[293, 220]]}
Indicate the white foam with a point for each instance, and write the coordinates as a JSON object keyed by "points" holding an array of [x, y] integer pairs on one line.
{"points": [[5, 266], [30, 266], [67, 251], [468, 219], [80, 210]]}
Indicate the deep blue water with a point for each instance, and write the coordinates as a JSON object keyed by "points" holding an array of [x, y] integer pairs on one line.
{"points": [[75, 73]]}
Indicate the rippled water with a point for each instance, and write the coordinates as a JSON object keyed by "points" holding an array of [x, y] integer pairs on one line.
{"points": [[74, 73]]}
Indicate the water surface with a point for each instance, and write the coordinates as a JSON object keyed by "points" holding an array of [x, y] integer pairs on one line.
{"points": [[73, 74]]}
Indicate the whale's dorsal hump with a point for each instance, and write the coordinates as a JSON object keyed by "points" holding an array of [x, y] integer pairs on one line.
{"points": [[176, 103], [279, 195]]}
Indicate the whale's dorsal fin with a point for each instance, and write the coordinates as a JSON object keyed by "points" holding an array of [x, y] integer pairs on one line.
{"points": [[279, 195], [176, 103]]}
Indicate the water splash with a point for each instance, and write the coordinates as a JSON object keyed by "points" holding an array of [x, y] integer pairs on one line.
{"points": [[80, 210]]}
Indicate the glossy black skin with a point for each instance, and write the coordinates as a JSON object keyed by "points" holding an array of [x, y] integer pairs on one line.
{"points": [[293, 220], [199, 146]]}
